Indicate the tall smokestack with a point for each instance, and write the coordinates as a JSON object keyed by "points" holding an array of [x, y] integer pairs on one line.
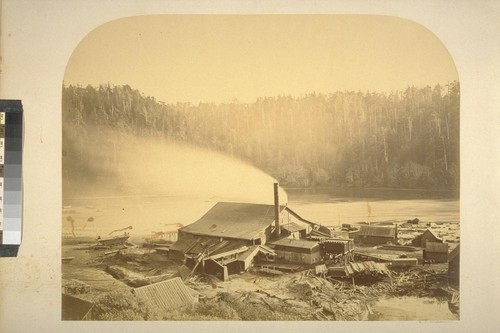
{"points": [[277, 210]]}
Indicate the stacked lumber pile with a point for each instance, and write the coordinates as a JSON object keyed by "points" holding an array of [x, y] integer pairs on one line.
{"points": [[365, 269]]}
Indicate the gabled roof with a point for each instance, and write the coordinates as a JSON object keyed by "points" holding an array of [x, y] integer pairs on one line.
{"points": [[368, 230], [433, 233], [297, 243], [169, 294], [254, 250], [436, 247], [234, 220]]}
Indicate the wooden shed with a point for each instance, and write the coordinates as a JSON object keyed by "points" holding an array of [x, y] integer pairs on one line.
{"points": [[376, 235], [428, 236], [436, 251], [293, 230], [338, 249], [297, 251]]}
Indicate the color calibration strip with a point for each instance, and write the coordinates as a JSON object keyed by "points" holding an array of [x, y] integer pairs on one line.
{"points": [[11, 145]]}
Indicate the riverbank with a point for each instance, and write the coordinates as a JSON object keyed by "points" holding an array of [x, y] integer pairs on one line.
{"points": [[106, 276], [99, 276]]}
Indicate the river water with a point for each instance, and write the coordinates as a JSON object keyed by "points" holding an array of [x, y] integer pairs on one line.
{"points": [[334, 207], [146, 214], [411, 308]]}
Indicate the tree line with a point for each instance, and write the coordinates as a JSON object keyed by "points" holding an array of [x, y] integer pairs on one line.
{"points": [[403, 139]]}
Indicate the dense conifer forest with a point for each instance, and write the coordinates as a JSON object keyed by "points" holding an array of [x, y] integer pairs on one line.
{"points": [[406, 139]]}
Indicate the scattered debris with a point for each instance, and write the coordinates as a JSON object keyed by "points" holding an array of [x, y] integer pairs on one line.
{"points": [[403, 262], [75, 287], [134, 279], [112, 241], [118, 230], [312, 278], [364, 270], [398, 248], [268, 270]]}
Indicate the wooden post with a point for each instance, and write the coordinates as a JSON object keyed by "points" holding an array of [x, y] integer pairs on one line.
{"points": [[276, 211]]}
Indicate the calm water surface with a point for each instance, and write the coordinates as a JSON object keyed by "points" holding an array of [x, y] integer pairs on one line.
{"points": [[333, 207], [411, 308], [153, 213]]}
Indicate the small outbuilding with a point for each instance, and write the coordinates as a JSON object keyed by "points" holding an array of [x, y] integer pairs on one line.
{"points": [[376, 235], [438, 252], [428, 236], [337, 249], [293, 230], [297, 251]]}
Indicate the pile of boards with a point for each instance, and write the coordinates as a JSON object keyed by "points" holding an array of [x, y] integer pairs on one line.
{"points": [[360, 269]]}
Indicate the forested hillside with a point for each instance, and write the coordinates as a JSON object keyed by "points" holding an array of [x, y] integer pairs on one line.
{"points": [[406, 139]]}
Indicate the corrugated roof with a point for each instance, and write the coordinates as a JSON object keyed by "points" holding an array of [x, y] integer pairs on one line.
{"points": [[234, 220], [169, 294], [298, 243], [337, 240], [436, 247], [368, 230]]}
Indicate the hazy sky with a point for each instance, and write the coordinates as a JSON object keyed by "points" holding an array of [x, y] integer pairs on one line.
{"points": [[197, 58]]}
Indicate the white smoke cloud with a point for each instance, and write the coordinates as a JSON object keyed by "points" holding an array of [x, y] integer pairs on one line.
{"points": [[145, 166]]}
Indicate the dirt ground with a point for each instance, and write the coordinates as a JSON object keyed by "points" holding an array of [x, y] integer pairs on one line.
{"points": [[291, 296]]}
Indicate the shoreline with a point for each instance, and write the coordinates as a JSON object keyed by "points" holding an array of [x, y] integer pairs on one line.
{"points": [[302, 295], [345, 188]]}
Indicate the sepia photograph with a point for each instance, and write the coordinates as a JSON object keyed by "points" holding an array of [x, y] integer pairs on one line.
{"points": [[282, 166], [260, 168]]}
